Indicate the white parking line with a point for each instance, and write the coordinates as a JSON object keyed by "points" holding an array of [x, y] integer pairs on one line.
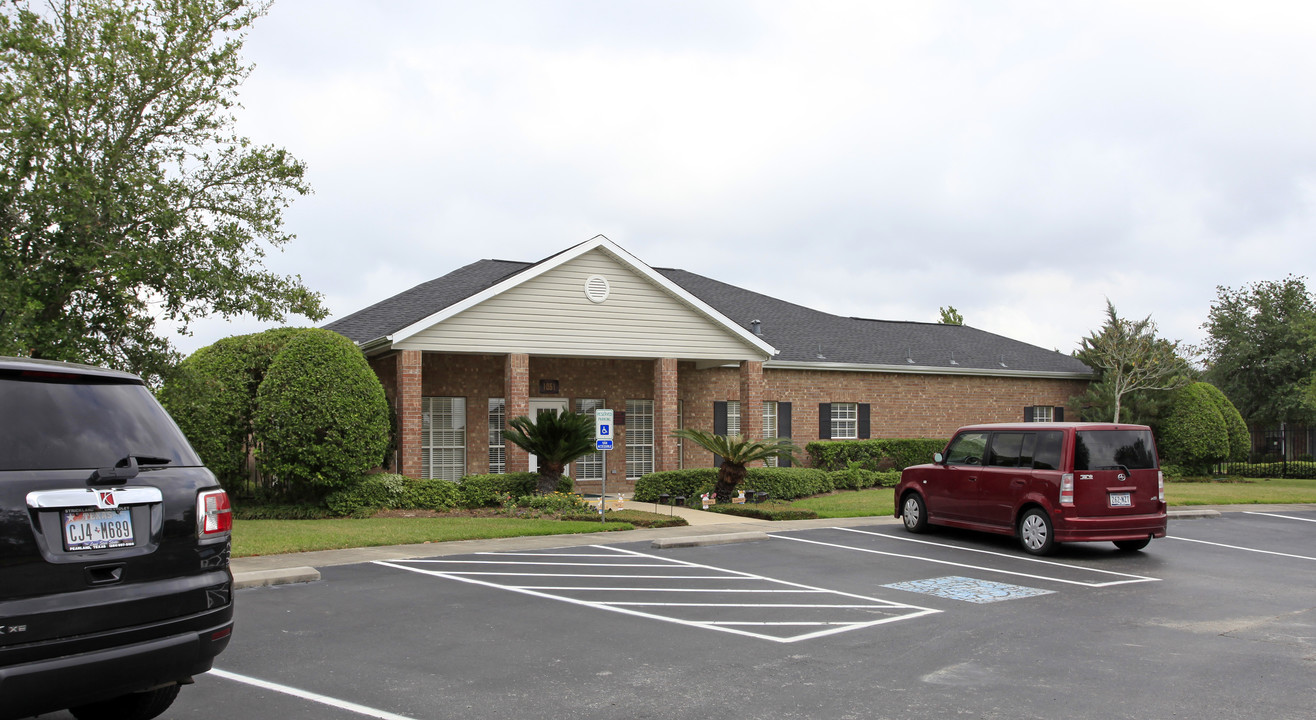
{"points": [[829, 626], [1236, 547], [1130, 578], [1286, 517], [307, 695]]}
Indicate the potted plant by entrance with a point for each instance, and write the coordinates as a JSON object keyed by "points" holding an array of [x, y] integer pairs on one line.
{"points": [[556, 438]]}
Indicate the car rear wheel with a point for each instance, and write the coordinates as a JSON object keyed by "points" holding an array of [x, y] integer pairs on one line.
{"points": [[1132, 545], [134, 706], [915, 513], [1035, 533]]}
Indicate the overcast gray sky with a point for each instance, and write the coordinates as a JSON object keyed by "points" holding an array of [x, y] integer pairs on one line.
{"points": [[1021, 161]]}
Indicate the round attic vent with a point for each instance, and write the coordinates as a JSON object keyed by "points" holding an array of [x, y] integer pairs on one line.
{"points": [[597, 288]]}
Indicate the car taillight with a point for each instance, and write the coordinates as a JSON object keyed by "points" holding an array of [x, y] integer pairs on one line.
{"points": [[214, 515], [1067, 489], [1160, 486]]}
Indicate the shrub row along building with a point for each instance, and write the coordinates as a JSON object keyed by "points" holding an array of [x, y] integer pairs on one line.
{"points": [[594, 327]]}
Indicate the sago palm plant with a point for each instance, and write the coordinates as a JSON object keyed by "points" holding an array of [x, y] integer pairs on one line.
{"points": [[556, 439], [737, 452]]}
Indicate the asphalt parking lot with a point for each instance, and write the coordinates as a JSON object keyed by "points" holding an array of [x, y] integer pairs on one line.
{"points": [[1216, 621]]}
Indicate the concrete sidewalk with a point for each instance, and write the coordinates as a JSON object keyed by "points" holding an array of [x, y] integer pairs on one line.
{"points": [[704, 526]]}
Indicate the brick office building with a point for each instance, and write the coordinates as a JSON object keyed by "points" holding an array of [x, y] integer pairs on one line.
{"points": [[593, 327]]}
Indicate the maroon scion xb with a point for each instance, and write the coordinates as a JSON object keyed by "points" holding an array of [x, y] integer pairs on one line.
{"points": [[1044, 483]]}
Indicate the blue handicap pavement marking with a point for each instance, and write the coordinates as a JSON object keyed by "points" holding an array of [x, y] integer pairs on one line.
{"points": [[956, 587]]}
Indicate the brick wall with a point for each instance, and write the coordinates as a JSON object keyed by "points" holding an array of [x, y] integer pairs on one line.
{"points": [[902, 405]]}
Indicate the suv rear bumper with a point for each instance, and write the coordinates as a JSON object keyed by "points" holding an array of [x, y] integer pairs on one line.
{"points": [[71, 680], [1107, 529]]}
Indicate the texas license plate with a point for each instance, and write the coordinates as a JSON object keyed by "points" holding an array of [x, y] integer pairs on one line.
{"points": [[1121, 500], [97, 529]]}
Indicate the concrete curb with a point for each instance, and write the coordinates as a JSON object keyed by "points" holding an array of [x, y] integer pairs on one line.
{"points": [[282, 576], [702, 540], [1193, 514]]}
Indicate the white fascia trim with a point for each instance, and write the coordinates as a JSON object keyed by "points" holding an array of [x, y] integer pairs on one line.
{"points": [[923, 370], [608, 246], [377, 345]]}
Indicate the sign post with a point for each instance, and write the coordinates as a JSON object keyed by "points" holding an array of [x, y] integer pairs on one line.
{"points": [[603, 443]]}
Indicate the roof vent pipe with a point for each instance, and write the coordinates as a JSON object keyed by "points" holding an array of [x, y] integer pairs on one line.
{"points": [[757, 326]]}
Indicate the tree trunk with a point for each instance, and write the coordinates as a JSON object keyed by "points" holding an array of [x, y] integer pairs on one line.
{"points": [[729, 476], [548, 481]]}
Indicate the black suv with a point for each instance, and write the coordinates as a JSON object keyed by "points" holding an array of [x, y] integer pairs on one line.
{"points": [[114, 547]]}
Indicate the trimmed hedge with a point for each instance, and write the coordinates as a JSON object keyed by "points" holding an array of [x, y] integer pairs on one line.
{"points": [[393, 492], [321, 416], [690, 483], [875, 454], [488, 490], [212, 397], [778, 483], [788, 483], [1193, 432], [1239, 437]]}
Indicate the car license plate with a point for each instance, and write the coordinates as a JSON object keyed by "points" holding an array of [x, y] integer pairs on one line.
{"points": [[97, 529], [1121, 500]]}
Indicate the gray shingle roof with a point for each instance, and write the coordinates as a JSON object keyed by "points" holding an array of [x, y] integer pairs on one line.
{"points": [[800, 334]]}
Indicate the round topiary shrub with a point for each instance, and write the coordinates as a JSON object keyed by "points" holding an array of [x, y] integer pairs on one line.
{"points": [[321, 415], [1240, 440], [212, 397], [1192, 432]]}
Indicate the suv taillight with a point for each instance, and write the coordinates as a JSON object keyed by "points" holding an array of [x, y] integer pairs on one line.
{"points": [[214, 515], [1067, 489], [1160, 485]]}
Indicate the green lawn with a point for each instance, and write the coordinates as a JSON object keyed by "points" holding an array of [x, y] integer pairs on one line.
{"points": [[857, 503], [272, 537], [1247, 492]]}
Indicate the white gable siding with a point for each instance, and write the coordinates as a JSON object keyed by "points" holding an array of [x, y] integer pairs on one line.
{"points": [[550, 315]]}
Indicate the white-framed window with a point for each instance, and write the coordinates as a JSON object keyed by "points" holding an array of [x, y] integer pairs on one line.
{"points": [[497, 443], [733, 418], [845, 421], [1043, 413], [770, 426], [589, 467], [639, 438], [443, 438]]}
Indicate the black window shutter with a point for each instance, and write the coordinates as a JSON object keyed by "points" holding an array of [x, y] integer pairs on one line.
{"points": [[1059, 414], [865, 430], [719, 426], [1028, 414], [784, 428], [824, 421]]}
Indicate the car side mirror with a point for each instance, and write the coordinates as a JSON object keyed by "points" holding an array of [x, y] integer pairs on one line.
{"points": [[937, 458]]}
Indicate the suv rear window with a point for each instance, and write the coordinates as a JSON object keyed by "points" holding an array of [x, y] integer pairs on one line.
{"points": [[1113, 449], [53, 421]]}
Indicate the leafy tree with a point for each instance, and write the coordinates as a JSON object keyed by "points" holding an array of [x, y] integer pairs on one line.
{"points": [[321, 416], [737, 453], [951, 316], [556, 439], [125, 193], [212, 397], [1129, 358], [1261, 350]]}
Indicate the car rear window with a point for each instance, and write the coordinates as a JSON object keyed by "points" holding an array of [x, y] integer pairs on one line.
{"points": [[53, 421], [1114, 449]]}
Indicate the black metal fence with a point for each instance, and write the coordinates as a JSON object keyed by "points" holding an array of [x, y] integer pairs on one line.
{"points": [[1263, 466]]}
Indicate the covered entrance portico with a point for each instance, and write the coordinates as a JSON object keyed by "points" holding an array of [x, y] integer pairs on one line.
{"points": [[590, 328]]}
